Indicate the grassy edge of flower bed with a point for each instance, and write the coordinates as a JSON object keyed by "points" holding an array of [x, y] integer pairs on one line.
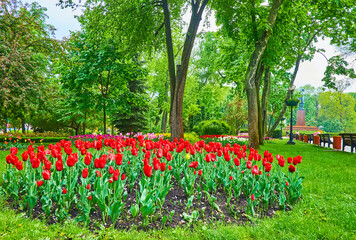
{"points": [[327, 209]]}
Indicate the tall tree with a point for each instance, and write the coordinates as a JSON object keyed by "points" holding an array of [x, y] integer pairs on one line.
{"points": [[135, 26], [25, 46]]}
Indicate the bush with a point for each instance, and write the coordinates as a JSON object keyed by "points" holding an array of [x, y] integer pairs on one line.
{"points": [[212, 127], [276, 134], [33, 139], [243, 130], [192, 137]]}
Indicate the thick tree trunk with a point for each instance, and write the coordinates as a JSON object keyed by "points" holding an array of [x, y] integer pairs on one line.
{"points": [[177, 79], [265, 99], [250, 81], [284, 109]]}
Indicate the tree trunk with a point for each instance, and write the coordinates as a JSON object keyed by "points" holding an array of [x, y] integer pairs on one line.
{"points": [[265, 99], [84, 123], [104, 113], [250, 81], [177, 79], [258, 86], [158, 118], [164, 122], [284, 109], [23, 125]]}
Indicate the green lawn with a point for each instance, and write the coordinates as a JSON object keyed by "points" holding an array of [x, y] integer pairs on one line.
{"points": [[327, 209]]}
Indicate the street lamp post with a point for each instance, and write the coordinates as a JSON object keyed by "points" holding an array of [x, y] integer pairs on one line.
{"points": [[291, 142]]}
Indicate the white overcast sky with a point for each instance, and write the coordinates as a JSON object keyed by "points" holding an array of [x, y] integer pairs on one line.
{"points": [[310, 72]]}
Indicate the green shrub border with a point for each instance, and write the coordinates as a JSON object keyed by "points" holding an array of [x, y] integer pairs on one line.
{"points": [[36, 139]]}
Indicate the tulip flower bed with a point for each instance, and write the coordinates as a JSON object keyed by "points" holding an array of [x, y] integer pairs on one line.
{"points": [[145, 183]]}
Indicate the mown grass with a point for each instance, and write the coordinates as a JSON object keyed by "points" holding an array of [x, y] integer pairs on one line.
{"points": [[327, 209]]}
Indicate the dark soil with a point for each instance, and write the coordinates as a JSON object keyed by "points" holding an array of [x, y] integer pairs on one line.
{"points": [[175, 201]]}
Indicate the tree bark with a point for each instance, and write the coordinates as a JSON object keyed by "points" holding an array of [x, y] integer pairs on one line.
{"points": [[23, 125], [84, 123], [178, 79], [265, 99], [284, 109], [157, 117], [258, 86], [250, 82], [104, 113], [164, 122]]}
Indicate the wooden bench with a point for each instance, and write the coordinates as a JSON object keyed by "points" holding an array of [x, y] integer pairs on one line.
{"points": [[310, 138], [325, 138], [348, 139]]}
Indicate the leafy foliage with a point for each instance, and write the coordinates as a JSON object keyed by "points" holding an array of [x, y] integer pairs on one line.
{"points": [[212, 127]]}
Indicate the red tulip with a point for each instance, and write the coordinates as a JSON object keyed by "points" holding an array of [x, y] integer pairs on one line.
{"points": [[72, 159], [116, 175], [147, 170], [156, 164], [290, 160], [39, 183], [287, 183], [281, 162], [169, 167], [237, 162], [19, 165], [90, 197], [14, 150], [193, 165], [163, 166], [268, 167], [98, 173], [195, 172], [254, 170], [200, 172], [118, 158], [159, 153], [227, 157], [24, 156], [47, 165], [87, 158], [88, 186], [249, 164], [46, 174], [253, 197], [231, 178], [35, 163], [291, 168], [111, 170], [64, 191], [169, 156], [85, 173], [59, 165], [123, 176], [111, 180]]}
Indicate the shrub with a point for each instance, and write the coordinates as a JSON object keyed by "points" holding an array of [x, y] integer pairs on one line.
{"points": [[212, 127], [276, 134]]}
